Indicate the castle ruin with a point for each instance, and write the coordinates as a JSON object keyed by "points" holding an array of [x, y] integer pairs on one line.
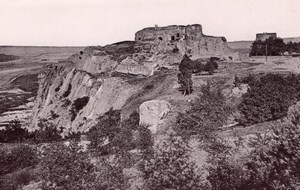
{"points": [[188, 40]]}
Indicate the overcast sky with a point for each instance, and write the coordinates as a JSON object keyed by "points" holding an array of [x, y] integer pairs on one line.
{"points": [[100, 22]]}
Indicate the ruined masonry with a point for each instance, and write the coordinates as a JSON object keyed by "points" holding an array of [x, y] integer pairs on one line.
{"points": [[188, 40]]}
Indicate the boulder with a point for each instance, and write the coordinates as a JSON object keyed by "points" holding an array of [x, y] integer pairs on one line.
{"points": [[240, 90], [152, 112]]}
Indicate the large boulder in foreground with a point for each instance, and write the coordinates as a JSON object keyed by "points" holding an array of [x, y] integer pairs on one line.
{"points": [[152, 112]]}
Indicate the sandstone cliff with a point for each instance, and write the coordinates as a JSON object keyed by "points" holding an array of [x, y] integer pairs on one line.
{"points": [[119, 76]]}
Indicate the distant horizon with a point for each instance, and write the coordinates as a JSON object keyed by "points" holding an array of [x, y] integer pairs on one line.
{"points": [[75, 46], [81, 23]]}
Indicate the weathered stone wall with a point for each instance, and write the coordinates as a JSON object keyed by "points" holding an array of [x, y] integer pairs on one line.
{"points": [[264, 36], [169, 33], [188, 40]]}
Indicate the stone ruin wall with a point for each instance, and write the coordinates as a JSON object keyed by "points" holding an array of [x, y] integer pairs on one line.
{"points": [[188, 40], [264, 36], [169, 33]]}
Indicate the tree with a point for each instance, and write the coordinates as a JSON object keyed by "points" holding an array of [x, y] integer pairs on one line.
{"points": [[185, 76], [171, 167], [271, 46], [293, 47]]}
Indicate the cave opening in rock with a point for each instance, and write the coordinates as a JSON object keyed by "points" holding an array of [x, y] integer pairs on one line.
{"points": [[160, 38], [172, 37]]}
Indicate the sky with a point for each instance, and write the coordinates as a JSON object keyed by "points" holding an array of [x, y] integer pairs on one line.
{"points": [[101, 22]]}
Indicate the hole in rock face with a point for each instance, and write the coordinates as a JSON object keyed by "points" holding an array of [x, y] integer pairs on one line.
{"points": [[172, 37], [178, 35], [160, 38], [139, 39]]}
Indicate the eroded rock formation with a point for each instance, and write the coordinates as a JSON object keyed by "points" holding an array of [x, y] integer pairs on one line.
{"points": [[73, 96]]}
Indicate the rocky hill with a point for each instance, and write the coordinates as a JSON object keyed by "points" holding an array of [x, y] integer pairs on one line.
{"points": [[120, 76]]}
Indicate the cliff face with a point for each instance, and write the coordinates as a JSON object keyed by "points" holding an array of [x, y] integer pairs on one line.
{"points": [[100, 78], [72, 99]]}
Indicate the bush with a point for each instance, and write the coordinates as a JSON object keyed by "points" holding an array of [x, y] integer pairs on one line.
{"points": [[293, 47], [111, 135], [171, 167], [14, 133], [106, 128], [64, 167], [19, 157], [269, 98], [208, 112], [144, 140], [211, 65], [46, 133], [271, 165], [16, 180]]}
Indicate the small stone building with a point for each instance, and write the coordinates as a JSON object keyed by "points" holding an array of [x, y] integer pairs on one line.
{"points": [[264, 36]]}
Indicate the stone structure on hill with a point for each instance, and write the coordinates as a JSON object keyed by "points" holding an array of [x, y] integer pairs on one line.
{"points": [[264, 36], [108, 77], [170, 33], [188, 40]]}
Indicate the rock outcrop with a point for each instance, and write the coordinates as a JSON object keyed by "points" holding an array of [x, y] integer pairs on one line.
{"points": [[110, 77], [153, 48], [152, 112], [57, 97]]}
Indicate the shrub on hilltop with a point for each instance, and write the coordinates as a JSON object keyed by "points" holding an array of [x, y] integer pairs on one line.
{"points": [[207, 113], [269, 98]]}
